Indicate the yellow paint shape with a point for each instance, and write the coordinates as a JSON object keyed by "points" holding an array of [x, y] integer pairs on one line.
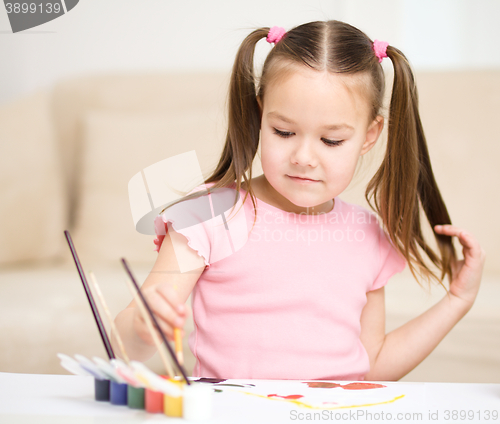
{"points": [[305, 405]]}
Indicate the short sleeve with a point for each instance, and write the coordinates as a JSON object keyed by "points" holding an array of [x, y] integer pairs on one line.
{"points": [[391, 261], [213, 224], [192, 219]]}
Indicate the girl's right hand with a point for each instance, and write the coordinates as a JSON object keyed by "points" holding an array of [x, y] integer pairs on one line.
{"points": [[168, 309]]}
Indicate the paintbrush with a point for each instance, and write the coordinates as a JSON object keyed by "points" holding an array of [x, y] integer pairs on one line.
{"points": [[110, 318], [178, 341], [149, 325], [153, 318], [97, 317]]}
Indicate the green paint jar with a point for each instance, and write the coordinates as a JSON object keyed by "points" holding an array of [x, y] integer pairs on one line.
{"points": [[135, 397]]}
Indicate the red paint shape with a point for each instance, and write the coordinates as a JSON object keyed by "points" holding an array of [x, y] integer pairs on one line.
{"points": [[286, 397], [350, 386], [362, 386]]}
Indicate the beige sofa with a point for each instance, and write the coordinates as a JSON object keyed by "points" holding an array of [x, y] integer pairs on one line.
{"points": [[69, 150]]}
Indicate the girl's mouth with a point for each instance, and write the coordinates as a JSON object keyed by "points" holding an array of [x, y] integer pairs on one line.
{"points": [[302, 180]]}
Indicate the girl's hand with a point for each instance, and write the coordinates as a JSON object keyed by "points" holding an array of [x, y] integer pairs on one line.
{"points": [[168, 310], [466, 273]]}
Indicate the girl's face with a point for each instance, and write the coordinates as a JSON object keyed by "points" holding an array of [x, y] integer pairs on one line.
{"points": [[314, 125]]}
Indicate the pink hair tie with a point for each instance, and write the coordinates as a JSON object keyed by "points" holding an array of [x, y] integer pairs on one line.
{"points": [[380, 49], [275, 34]]}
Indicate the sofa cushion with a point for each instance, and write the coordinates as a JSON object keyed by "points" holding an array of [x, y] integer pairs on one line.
{"points": [[33, 210]]}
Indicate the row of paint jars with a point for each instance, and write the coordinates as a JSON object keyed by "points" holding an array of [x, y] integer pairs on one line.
{"points": [[195, 403]]}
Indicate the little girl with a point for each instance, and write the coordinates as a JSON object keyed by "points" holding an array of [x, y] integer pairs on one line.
{"points": [[289, 283]]}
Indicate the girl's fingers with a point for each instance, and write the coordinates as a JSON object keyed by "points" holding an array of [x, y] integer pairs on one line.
{"points": [[448, 229], [451, 230], [467, 240], [165, 329], [172, 297], [163, 310], [164, 303]]}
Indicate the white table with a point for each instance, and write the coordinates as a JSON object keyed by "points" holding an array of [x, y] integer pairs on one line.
{"points": [[54, 399]]}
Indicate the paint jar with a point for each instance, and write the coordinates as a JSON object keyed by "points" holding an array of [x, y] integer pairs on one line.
{"points": [[118, 393], [197, 402], [101, 388], [135, 397], [172, 406], [153, 401]]}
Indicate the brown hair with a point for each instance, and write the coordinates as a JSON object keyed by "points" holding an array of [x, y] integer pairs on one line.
{"points": [[403, 183]]}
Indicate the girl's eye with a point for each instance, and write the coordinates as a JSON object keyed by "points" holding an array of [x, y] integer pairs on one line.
{"points": [[325, 140], [281, 133], [332, 142]]}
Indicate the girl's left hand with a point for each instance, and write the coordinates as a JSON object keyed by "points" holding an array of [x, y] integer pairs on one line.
{"points": [[466, 273]]}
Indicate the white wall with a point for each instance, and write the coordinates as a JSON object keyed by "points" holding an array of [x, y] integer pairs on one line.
{"points": [[136, 35]]}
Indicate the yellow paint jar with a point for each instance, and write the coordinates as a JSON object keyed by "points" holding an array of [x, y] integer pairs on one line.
{"points": [[172, 406]]}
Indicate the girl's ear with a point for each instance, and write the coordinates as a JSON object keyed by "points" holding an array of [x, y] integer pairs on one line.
{"points": [[372, 134]]}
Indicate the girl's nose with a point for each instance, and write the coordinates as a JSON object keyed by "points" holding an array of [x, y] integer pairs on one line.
{"points": [[304, 154]]}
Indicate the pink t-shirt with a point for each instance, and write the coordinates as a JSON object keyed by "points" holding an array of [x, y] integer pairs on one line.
{"points": [[286, 301]]}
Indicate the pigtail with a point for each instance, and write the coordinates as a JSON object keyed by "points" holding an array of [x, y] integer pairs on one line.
{"points": [[405, 179], [242, 139]]}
